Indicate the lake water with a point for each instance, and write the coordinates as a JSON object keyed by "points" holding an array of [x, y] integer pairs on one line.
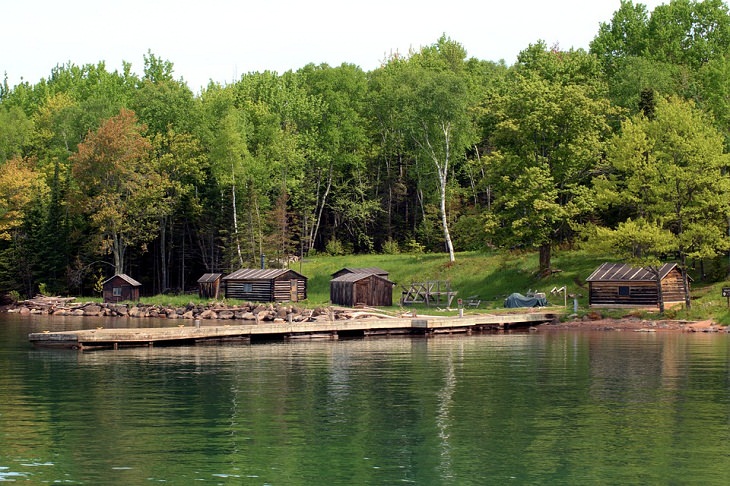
{"points": [[555, 407]]}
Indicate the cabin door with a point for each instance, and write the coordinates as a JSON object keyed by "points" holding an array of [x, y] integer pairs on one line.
{"points": [[294, 297]]}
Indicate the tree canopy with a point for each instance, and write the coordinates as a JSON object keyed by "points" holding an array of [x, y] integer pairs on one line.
{"points": [[432, 151]]}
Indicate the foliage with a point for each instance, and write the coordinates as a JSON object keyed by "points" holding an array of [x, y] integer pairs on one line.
{"points": [[670, 171], [430, 154], [391, 247], [118, 187], [335, 247], [552, 124]]}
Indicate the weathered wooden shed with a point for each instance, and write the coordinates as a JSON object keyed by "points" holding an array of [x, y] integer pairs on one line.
{"points": [[374, 270], [369, 289], [622, 285], [267, 285], [120, 287], [209, 285]]}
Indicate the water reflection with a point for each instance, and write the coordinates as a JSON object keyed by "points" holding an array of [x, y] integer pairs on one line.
{"points": [[564, 408]]}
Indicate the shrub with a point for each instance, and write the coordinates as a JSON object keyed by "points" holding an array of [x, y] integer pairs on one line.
{"points": [[412, 246], [334, 247], [390, 247]]}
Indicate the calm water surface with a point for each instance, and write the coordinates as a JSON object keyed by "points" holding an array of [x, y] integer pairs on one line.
{"points": [[541, 408]]}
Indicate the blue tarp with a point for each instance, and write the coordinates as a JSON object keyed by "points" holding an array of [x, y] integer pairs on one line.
{"points": [[519, 300]]}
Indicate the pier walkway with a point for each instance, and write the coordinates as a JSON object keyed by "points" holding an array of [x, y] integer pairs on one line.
{"points": [[197, 334]]}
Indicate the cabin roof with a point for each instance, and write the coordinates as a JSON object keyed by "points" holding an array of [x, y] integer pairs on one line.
{"points": [[355, 277], [124, 277], [623, 272], [365, 270], [260, 274], [209, 277]]}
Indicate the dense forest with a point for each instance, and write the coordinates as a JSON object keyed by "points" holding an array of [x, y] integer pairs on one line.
{"points": [[623, 148]]}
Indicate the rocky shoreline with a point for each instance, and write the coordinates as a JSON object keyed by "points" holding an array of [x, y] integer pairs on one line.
{"points": [[60, 306], [639, 325], [277, 312]]}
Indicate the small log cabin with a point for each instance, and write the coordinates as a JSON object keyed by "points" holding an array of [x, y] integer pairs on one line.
{"points": [[374, 270], [621, 285], [267, 285], [209, 285], [352, 289], [119, 288]]}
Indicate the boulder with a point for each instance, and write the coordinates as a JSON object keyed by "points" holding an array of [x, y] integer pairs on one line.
{"points": [[92, 310]]}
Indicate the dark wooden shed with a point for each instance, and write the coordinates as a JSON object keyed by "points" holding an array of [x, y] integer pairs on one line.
{"points": [[374, 270], [268, 285], [120, 287], [209, 285], [622, 285], [369, 289]]}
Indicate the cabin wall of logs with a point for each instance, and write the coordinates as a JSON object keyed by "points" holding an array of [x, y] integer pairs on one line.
{"points": [[620, 285], [275, 285]]}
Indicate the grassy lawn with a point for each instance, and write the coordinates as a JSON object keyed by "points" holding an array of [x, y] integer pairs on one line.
{"points": [[491, 276], [494, 276]]}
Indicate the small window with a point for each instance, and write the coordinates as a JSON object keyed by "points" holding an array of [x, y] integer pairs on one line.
{"points": [[623, 291], [117, 291], [248, 287]]}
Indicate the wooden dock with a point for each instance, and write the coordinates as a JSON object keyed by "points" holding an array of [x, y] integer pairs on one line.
{"points": [[207, 334]]}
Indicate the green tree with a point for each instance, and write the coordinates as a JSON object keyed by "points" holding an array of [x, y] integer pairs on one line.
{"points": [[672, 172], [626, 36], [180, 162], [436, 108], [15, 132], [161, 102], [553, 121], [337, 154], [118, 189], [689, 32]]}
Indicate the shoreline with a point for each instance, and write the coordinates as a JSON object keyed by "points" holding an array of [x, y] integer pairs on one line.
{"points": [[639, 325], [280, 312]]}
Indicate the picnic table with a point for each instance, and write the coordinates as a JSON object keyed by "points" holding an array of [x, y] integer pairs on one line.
{"points": [[432, 291]]}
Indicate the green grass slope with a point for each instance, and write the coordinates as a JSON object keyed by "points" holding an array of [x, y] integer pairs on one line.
{"points": [[495, 275]]}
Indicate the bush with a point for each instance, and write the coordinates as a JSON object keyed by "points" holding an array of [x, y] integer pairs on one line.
{"points": [[412, 246], [390, 247], [334, 247]]}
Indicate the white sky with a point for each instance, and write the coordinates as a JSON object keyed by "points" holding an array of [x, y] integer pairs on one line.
{"points": [[220, 40]]}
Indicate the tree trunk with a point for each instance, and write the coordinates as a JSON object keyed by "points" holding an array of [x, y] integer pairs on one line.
{"points": [[235, 219], [659, 292], [545, 257], [315, 228], [685, 281], [444, 220], [164, 279]]}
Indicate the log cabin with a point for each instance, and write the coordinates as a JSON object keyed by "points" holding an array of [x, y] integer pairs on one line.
{"points": [[266, 285], [622, 285]]}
